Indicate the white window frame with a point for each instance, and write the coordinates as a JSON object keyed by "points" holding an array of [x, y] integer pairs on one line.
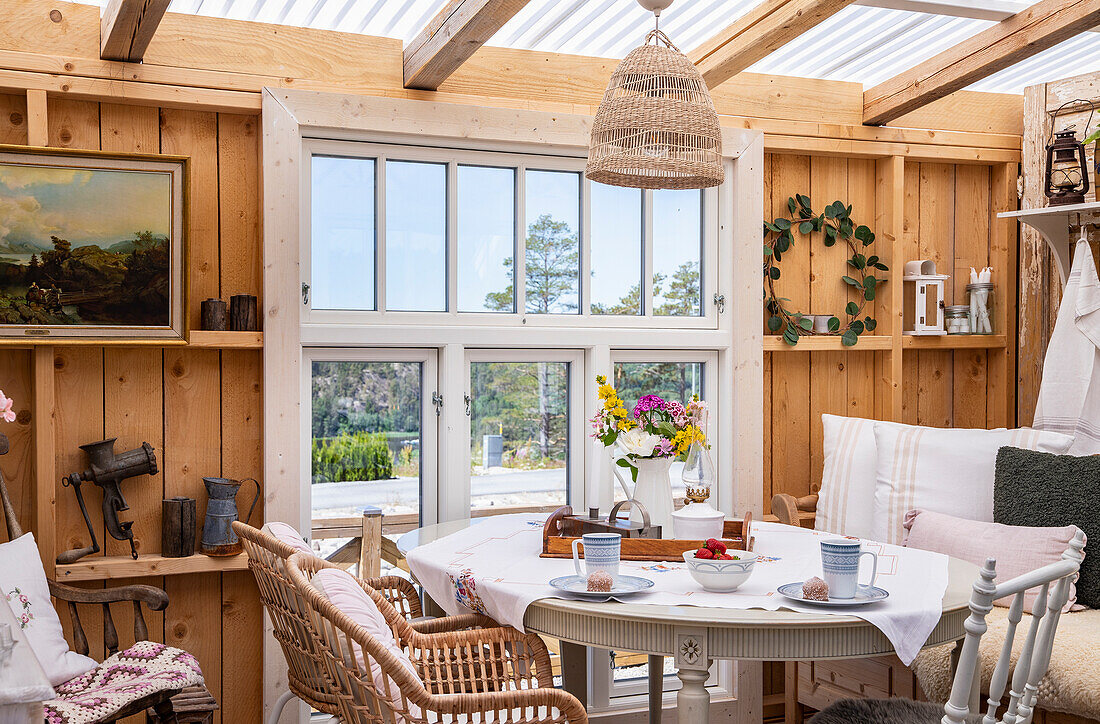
{"points": [[452, 158], [575, 456], [429, 428]]}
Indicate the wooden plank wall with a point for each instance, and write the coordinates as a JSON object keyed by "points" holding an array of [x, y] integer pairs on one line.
{"points": [[199, 408], [948, 212]]}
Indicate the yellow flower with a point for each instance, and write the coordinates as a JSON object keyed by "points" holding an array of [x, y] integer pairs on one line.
{"points": [[611, 403], [625, 425], [619, 412], [606, 391]]}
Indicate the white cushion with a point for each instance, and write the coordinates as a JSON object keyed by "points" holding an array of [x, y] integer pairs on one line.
{"points": [[945, 470], [23, 582], [347, 595], [288, 534], [846, 501]]}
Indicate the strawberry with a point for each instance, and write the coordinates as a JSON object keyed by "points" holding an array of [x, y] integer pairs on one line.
{"points": [[703, 553], [716, 545], [725, 557]]}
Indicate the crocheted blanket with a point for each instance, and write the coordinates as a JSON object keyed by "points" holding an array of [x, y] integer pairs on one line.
{"points": [[143, 669]]}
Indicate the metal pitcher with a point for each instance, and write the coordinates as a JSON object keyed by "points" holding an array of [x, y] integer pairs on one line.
{"points": [[218, 538]]}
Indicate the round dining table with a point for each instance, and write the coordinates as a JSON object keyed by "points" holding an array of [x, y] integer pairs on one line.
{"points": [[694, 636]]}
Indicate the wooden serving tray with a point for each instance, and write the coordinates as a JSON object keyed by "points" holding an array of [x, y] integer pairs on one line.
{"points": [[561, 530]]}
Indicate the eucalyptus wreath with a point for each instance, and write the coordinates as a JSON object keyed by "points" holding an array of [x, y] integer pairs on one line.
{"points": [[837, 225]]}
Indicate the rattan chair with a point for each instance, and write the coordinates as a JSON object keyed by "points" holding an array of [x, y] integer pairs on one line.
{"points": [[483, 674], [1022, 681], [267, 558]]}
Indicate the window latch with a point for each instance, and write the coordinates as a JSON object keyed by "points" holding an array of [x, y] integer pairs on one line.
{"points": [[437, 400], [466, 397], [305, 293], [720, 302]]}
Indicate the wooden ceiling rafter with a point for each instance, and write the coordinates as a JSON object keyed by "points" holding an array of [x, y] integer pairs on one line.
{"points": [[1028, 32], [759, 32], [451, 37], [128, 27]]}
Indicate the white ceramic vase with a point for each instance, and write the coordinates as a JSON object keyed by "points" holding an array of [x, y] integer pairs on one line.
{"points": [[653, 490]]}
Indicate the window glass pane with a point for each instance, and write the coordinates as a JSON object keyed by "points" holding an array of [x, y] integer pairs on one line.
{"points": [[342, 235], [616, 230], [519, 434], [416, 236], [486, 238], [678, 381], [552, 254], [677, 251], [366, 439]]}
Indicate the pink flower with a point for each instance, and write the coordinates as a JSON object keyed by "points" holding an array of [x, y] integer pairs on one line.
{"points": [[647, 403], [664, 447], [6, 412], [674, 408]]}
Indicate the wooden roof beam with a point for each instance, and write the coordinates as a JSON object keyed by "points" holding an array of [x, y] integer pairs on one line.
{"points": [[1030, 31], [127, 27], [451, 37], [764, 29]]}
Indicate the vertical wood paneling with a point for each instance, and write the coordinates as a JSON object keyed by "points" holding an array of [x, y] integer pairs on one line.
{"points": [[238, 197], [13, 118], [193, 622], [790, 373], [936, 242], [860, 365], [973, 217], [16, 380]]}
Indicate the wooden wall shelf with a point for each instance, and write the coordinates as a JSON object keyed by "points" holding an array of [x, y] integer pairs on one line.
{"points": [[203, 339], [775, 343], [956, 341], [102, 568]]}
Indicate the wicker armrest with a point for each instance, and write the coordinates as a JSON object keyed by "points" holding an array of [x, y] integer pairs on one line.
{"points": [[428, 625], [151, 596], [458, 661], [400, 592], [504, 701]]}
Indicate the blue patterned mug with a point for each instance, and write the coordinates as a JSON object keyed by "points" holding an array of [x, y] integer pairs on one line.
{"points": [[840, 559], [601, 553]]}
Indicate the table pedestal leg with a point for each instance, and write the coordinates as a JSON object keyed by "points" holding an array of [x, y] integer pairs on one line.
{"points": [[693, 699], [656, 687], [574, 671]]}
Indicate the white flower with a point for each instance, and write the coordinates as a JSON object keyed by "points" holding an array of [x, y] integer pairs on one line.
{"points": [[638, 442]]}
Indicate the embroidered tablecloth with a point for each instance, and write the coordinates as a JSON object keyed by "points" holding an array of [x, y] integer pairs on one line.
{"points": [[494, 568]]}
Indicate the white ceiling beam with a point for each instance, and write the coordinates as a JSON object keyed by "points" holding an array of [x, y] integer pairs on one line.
{"points": [[999, 46], [996, 10], [451, 37], [128, 27]]}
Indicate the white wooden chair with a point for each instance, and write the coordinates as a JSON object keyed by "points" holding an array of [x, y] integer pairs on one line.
{"points": [[1052, 583]]}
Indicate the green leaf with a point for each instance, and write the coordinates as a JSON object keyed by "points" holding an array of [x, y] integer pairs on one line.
{"points": [[774, 272], [858, 261], [869, 281], [869, 294], [863, 233], [790, 205], [872, 260], [609, 438], [783, 242], [806, 323], [849, 338], [852, 309], [830, 211], [880, 266], [778, 255], [870, 323], [790, 336], [850, 281], [767, 250], [856, 326], [803, 201], [783, 224], [775, 322], [805, 227], [834, 324]]}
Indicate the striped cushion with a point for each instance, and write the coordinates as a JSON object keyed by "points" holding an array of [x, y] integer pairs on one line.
{"points": [[945, 470], [845, 504]]}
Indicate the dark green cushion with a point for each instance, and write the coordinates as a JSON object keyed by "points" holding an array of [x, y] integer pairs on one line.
{"points": [[1042, 489]]}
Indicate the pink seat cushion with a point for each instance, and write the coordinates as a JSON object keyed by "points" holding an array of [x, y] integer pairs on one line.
{"points": [[141, 670], [286, 533], [1018, 549]]}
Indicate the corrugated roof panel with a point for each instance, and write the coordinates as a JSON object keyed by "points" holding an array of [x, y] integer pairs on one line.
{"points": [[860, 43]]}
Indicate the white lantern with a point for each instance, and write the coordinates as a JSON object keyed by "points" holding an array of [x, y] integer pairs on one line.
{"points": [[923, 291]]}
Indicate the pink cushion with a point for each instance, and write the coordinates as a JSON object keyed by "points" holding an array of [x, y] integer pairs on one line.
{"points": [[286, 533], [347, 595], [1018, 549]]}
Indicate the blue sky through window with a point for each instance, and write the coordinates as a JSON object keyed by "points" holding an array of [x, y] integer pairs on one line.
{"points": [[416, 236], [342, 218]]}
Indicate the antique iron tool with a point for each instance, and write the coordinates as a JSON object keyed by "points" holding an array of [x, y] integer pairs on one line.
{"points": [[108, 469]]}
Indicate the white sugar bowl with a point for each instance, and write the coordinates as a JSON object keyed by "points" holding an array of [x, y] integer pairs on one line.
{"points": [[697, 521]]}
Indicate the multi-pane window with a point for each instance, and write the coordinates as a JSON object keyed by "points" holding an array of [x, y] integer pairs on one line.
{"points": [[499, 235]]}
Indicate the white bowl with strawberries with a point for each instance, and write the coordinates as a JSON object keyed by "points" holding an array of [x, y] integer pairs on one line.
{"points": [[718, 569]]}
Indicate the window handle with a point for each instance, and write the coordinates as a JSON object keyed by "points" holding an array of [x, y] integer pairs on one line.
{"points": [[305, 293], [720, 302], [466, 397], [437, 400]]}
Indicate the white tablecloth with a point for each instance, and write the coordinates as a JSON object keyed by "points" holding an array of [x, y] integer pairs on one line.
{"points": [[493, 568]]}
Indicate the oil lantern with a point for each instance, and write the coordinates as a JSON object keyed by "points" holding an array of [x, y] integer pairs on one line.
{"points": [[1067, 179]]}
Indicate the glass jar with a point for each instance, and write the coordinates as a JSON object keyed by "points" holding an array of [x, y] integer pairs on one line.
{"points": [[980, 298], [957, 319]]}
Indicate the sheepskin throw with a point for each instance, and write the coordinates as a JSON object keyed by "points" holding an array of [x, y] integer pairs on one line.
{"points": [[1072, 685], [883, 711], [1043, 489]]}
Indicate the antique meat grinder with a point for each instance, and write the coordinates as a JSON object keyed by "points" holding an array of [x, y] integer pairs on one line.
{"points": [[107, 470]]}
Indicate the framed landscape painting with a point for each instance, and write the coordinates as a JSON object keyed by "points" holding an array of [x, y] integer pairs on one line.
{"points": [[92, 246]]}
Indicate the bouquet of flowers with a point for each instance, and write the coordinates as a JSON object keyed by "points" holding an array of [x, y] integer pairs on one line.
{"points": [[656, 428]]}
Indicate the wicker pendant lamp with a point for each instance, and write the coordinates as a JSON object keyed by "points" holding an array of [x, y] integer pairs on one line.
{"points": [[656, 127]]}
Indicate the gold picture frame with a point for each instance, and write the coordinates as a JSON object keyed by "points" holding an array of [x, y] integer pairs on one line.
{"points": [[93, 247]]}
